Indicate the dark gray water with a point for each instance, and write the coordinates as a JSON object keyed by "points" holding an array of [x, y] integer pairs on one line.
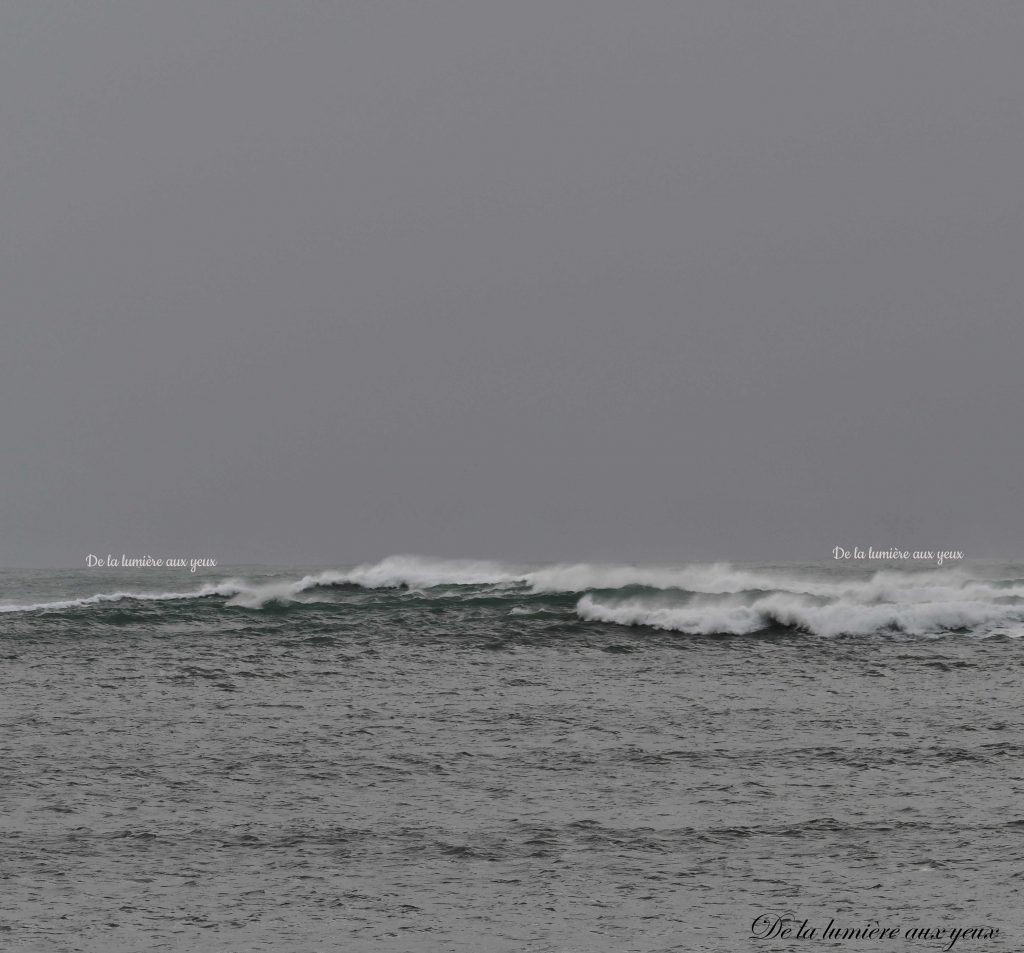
{"points": [[319, 765]]}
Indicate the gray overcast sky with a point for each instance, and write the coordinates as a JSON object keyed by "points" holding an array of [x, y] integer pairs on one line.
{"points": [[320, 282]]}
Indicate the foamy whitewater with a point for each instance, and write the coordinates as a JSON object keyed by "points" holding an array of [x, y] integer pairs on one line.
{"points": [[462, 755]]}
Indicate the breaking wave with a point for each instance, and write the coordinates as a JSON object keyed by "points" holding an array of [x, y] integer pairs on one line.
{"points": [[227, 588], [738, 616], [698, 599]]}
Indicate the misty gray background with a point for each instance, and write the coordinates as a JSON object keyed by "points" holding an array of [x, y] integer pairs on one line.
{"points": [[320, 282]]}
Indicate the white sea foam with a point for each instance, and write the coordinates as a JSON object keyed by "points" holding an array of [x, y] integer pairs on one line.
{"points": [[418, 572], [842, 616], [425, 573]]}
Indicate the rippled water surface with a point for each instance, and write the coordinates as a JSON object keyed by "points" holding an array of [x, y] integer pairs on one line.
{"points": [[386, 761]]}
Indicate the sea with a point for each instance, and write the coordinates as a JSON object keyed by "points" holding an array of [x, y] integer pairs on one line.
{"points": [[466, 756]]}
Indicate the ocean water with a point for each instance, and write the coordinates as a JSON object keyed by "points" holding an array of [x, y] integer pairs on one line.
{"points": [[427, 755]]}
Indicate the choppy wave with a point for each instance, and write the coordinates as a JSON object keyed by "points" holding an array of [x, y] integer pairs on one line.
{"points": [[698, 599]]}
